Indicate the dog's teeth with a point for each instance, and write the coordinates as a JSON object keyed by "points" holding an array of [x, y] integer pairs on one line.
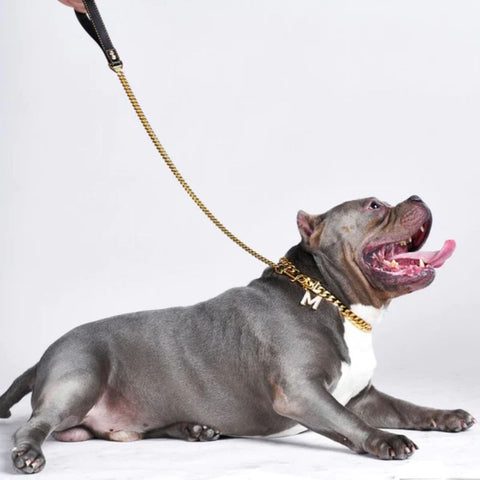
{"points": [[422, 229], [421, 263], [410, 240], [403, 243], [391, 263]]}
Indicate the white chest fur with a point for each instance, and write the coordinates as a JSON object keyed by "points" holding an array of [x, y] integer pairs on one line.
{"points": [[356, 375]]}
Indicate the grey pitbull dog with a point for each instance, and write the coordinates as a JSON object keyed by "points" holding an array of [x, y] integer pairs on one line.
{"points": [[252, 361]]}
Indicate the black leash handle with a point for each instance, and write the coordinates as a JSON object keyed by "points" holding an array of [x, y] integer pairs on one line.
{"points": [[93, 24]]}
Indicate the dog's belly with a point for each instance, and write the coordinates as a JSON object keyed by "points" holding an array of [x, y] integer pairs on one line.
{"points": [[114, 418]]}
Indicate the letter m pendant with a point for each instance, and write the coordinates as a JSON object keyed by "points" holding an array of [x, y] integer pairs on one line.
{"points": [[308, 300]]}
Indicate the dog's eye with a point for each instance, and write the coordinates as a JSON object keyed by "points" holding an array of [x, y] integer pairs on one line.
{"points": [[374, 205]]}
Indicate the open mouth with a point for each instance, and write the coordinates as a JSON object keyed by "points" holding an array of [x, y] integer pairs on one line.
{"points": [[403, 260]]}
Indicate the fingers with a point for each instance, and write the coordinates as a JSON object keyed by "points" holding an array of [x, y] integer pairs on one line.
{"points": [[76, 4]]}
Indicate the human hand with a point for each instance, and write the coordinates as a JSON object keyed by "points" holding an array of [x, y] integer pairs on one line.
{"points": [[76, 4]]}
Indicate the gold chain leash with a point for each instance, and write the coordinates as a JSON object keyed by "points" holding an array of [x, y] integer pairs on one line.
{"points": [[284, 267], [163, 153]]}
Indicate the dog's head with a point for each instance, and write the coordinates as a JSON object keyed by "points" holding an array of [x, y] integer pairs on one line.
{"points": [[375, 244]]}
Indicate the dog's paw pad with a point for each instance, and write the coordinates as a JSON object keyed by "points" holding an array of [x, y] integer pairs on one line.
{"points": [[28, 459]]}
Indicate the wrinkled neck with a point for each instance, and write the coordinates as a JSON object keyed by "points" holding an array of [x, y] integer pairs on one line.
{"points": [[341, 277]]}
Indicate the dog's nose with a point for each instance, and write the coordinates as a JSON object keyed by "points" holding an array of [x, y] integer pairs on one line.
{"points": [[415, 198]]}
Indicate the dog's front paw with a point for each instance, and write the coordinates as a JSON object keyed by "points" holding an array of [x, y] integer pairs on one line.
{"points": [[28, 459], [451, 420], [389, 446]]}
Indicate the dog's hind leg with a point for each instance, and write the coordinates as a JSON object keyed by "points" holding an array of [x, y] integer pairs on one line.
{"points": [[74, 434], [60, 403], [19, 388], [192, 432]]}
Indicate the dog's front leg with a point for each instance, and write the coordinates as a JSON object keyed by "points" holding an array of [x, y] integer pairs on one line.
{"points": [[383, 411], [310, 404]]}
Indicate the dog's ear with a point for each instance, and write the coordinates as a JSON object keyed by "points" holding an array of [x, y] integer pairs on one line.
{"points": [[310, 227]]}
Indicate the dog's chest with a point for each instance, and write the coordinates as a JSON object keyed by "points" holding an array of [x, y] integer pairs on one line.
{"points": [[356, 375]]}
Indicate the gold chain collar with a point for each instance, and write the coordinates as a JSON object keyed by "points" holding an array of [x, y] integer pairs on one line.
{"points": [[286, 267]]}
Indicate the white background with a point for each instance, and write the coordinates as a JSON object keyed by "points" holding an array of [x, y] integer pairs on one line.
{"points": [[267, 106]]}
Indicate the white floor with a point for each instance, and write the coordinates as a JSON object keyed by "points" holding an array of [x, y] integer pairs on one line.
{"points": [[305, 456]]}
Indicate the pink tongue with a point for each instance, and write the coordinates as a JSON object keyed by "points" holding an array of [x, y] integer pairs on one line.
{"points": [[434, 259]]}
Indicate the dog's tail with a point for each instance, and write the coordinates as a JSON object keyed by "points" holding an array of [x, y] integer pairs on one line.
{"points": [[18, 389]]}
